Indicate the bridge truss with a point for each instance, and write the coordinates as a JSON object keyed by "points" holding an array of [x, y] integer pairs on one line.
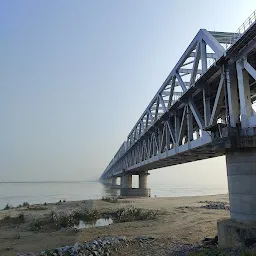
{"points": [[204, 103]]}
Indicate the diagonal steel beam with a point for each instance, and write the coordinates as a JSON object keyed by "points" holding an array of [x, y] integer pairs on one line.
{"points": [[171, 130], [182, 124], [217, 99], [171, 91], [195, 65], [162, 103], [184, 88], [203, 56], [250, 70], [196, 113]]}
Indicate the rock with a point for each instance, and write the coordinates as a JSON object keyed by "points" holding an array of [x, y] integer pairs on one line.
{"points": [[215, 205], [210, 240], [121, 238], [77, 245], [97, 247], [144, 238]]}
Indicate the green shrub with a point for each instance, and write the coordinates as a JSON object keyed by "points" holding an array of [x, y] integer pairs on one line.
{"points": [[25, 204], [39, 221], [110, 199], [21, 218], [67, 218], [7, 207], [13, 220], [6, 219], [132, 213]]}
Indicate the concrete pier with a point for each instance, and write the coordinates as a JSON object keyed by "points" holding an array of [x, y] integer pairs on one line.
{"points": [[114, 184], [143, 180], [126, 181], [128, 191], [241, 171]]}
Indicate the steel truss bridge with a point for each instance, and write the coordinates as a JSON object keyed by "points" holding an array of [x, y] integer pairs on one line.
{"points": [[204, 107]]}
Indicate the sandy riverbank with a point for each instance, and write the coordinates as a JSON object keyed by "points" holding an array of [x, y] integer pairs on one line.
{"points": [[179, 219]]}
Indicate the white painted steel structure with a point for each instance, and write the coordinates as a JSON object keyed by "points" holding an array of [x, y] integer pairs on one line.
{"points": [[201, 109]]}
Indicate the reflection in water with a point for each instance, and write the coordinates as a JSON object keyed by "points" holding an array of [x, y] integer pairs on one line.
{"points": [[97, 223], [111, 192]]}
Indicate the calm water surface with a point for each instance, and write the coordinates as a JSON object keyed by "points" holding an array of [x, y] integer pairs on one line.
{"points": [[17, 193], [97, 223]]}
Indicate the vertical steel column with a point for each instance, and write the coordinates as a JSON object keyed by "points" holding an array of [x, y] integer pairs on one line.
{"points": [[177, 130], [232, 88], [190, 124], [244, 93], [168, 139]]}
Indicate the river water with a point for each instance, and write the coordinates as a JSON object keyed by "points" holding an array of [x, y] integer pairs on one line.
{"points": [[178, 182]]}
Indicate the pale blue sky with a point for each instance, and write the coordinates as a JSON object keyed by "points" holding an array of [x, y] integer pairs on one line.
{"points": [[76, 75]]}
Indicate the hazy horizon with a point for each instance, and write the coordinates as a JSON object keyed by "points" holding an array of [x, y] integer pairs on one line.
{"points": [[76, 75]]}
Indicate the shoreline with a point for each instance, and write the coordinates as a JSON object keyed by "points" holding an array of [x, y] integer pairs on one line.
{"points": [[109, 196], [178, 219]]}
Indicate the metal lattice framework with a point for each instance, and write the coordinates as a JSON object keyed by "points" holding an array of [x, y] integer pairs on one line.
{"points": [[203, 51], [194, 105]]}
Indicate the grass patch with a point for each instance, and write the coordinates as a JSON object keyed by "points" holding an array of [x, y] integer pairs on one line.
{"points": [[69, 218], [110, 199], [64, 218], [37, 208], [6, 219], [13, 220], [40, 221], [128, 214]]}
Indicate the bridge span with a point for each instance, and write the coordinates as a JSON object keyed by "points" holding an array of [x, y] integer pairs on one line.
{"points": [[205, 108]]}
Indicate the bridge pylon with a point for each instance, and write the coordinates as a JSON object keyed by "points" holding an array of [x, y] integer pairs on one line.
{"points": [[128, 191]]}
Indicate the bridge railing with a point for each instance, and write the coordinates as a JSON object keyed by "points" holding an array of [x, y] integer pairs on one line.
{"points": [[242, 29], [249, 21]]}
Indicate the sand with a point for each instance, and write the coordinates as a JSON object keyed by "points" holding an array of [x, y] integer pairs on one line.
{"points": [[180, 220]]}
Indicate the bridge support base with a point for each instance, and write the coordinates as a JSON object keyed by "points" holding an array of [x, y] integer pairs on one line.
{"points": [[241, 170], [135, 192], [128, 191], [235, 234], [115, 186]]}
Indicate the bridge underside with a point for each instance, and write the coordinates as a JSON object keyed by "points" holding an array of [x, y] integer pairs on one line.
{"points": [[215, 148], [200, 153]]}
